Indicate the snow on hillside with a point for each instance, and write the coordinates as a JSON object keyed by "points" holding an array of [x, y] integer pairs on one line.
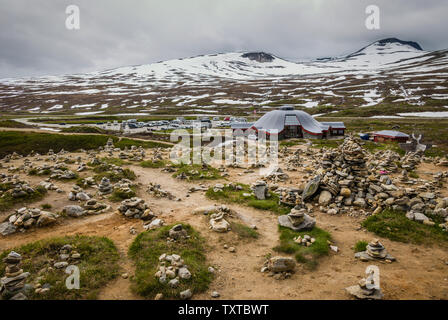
{"points": [[240, 80]]}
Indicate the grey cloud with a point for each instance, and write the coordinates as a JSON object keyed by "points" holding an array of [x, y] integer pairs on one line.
{"points": [[34, 40]]}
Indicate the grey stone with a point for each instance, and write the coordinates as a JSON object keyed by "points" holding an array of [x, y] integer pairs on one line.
{"points": [[307, 224], [311, 188], [74, 211], [420, 217], [60, 265], [281, 264], [325, 198], [174, 283], [184, 273], [7, 228], [187, 294]]}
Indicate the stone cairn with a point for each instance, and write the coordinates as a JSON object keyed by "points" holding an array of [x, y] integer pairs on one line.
{"points": [[342, 173], [279, 267], [82, 167], [288, 196], [350, 180], [374, 251], [361, 290], [67, 256], [260, 190], [50, 186], [60, 174], [157, 191], [88, 182], [105, 187], [277, 175], [297, 220], [94, 206], [109, 147], [26, 218], [78, 194], [293, 161], [21, 189], [218, 223], [124, 186], [306, 240], [135, 208], [12, 285], [171, 271]]}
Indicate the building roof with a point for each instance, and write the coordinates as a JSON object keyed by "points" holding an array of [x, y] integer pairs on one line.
{"points": [[275, 121], [391, 133], [335, 125], [241, 125]]}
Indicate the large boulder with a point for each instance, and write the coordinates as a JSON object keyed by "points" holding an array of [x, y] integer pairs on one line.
{"points": [[311, 188], [287, 221], [325, 198], [46, 219], [281, 264], [218, 223], [260, 189], [73, 211], [7, 228]]}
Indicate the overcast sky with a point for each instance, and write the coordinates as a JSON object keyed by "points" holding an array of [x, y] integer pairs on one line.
{"points": [[35, 41]]}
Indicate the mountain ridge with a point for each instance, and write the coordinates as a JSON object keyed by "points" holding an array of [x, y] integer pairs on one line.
{"points": [[387, 70]]}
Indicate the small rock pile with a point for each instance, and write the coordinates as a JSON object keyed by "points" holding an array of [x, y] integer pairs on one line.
{"points": [[67, 256], [12, 285], [374, 251], [109, 147], [49, 186], [276, 175], [21, 189], [157, 191], [306, 240], [105, 187], [297, 220], [94, 206], [293, 161], [279, 267], [171, 271], [260, 190], [135, 208], [87, 182], [218, 223], [177, 233], [26, 218], [78, 194], [361, 290], [124, 186], [62, 174], [288, 196]]}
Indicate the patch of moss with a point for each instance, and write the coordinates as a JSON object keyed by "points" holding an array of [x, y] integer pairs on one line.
{"points": [[395, 226], [98, 265], [150, 245], [309, 256], [231, 195]]}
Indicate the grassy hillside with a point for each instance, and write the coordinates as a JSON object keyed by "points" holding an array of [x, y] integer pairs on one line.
{"points": [[24, 142]]}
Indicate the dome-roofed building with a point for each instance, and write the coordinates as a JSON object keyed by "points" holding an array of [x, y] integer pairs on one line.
{"points": [[290, 123]]}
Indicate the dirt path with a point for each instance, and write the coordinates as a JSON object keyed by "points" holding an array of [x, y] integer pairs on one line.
{"points": [[421, 272]]}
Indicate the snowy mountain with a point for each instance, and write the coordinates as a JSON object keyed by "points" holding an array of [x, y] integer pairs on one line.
{"points": [[386, 71]]}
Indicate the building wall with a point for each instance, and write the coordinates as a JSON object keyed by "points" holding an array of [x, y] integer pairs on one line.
{"points": [[306, 135]]}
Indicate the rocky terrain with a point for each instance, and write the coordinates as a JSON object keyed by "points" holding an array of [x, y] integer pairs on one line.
{"points": [[315, 191]]}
